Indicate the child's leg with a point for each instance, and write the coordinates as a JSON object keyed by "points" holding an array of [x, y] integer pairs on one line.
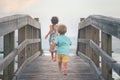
{"points": [[65, 64], [55, 55], [60, 62], [52, 55], [60, 66], [51, 51]]}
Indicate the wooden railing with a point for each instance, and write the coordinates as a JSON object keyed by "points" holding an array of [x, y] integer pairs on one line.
{"points": [[29, 43], [95, 41]]}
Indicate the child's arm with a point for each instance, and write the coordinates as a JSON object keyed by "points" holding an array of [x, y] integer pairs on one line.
{"points": [[49, 32]]}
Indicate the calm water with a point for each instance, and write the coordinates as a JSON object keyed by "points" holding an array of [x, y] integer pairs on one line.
{"points": [[45, 47]]}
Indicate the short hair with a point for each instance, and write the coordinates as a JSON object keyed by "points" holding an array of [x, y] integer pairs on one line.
{"points": [[62, 29], [54, 20]]}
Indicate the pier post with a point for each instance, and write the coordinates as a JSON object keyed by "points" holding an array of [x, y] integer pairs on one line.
{"points": [[82, 46], [8, 47], [21, 38], [95, 38], [107, 47], [28, 35]]}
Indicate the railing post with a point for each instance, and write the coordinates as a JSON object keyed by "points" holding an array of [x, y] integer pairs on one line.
{"points": [[38, 35], [35, 36], [78, 44], [88, 34], [107, 47], [28, 35], [81, 45], [40, 43], [95, 38], [8, 47], [21, 38], [93, 34]]}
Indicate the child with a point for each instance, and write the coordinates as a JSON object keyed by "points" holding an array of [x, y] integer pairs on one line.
{"points": [[53, 33], [62, 43]]}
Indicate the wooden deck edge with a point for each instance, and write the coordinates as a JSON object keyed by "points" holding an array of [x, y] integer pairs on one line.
{"points": [[87, 59], [17, 74]]}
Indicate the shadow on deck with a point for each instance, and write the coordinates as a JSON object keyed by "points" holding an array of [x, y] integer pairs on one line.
{"points": [[43, 68]]}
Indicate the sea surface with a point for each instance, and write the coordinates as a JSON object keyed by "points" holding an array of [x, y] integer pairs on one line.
{"points": [[45, 47]]}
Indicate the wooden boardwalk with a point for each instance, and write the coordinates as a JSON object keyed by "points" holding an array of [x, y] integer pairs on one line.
{"points": [[43, 68]]}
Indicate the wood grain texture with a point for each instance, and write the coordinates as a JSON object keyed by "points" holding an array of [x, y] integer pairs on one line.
{"points": [[43, 68], [108, 25]]}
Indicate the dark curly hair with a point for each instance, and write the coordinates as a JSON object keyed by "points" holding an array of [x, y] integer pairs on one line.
{"points": [[54, 20]]}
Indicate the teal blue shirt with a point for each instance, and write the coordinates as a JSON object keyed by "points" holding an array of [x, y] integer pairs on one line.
{"points": [[63, 43]]}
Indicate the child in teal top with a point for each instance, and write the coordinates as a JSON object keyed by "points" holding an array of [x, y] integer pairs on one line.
{"points": [[62, 44]]}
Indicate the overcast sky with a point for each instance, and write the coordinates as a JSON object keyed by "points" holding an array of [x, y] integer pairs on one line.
{"points": [[68, 11]]}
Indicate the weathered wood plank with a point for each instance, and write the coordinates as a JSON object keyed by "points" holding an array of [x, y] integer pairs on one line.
{"points": [[107, 47], [43, 68], [109, 60], [95, 37], [9, 58], [89, 60], [106, 24], [8, 47], [11, 23], [27, 61]]}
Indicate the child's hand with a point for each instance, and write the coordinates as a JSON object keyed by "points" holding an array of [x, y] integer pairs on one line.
{"points": [[46, 36]]}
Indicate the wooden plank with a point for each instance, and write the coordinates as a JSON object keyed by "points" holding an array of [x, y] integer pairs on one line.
{"points": [[110, 61], [27, 61], [8, 47], [29, 35], [9, 58], [108, 25], [93, 34], [89, 60], [99, 51], [95, 37], [21, 38], [40, 43], [11, 23], [88, 33], [35, 35], [107, 47], [43, 68], [82, 46], [78, 44]]}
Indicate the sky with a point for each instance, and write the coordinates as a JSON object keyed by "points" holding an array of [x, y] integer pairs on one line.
{"points": [[69, 12]]}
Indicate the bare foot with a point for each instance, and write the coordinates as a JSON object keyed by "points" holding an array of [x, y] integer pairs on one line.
{"points": [[65, 73]]}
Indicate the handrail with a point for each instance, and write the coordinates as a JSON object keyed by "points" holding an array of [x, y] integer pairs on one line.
{"points": [[29, 36], [108, 25], [110, 61], [11, 23], [8, 59]]}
